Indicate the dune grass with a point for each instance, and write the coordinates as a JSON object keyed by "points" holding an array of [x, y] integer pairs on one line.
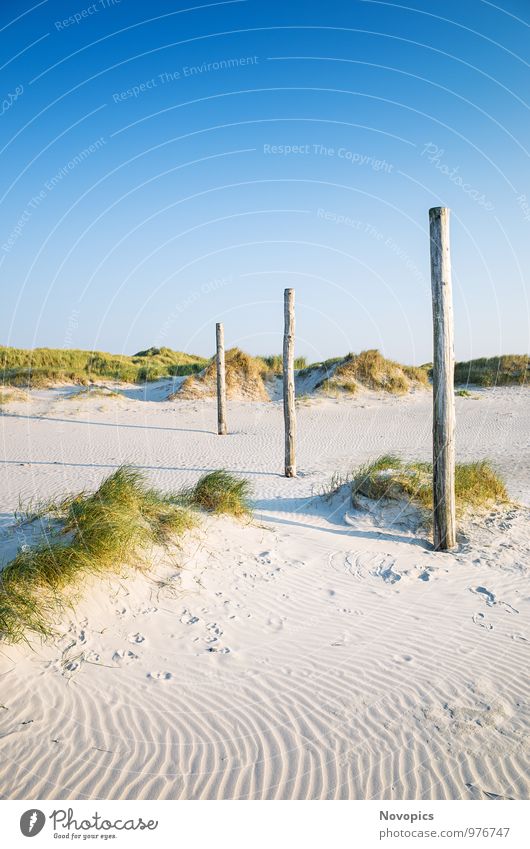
{"points": [[220, 492], [99, 533], [477, 485], [371, 370], [10, 396], [506, 370], [44, 367], [245, 377], [274, 363]]}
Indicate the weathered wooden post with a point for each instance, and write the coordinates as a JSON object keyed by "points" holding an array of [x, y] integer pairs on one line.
{"points": [[289, 408], [221, 381], [443, 383]]}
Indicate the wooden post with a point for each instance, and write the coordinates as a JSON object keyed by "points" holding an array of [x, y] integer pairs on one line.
{"points": [[443, 383], [289, 409], [221, 381]]}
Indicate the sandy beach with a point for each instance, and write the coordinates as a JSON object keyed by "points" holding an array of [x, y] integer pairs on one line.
{"points": [[317, 651]]}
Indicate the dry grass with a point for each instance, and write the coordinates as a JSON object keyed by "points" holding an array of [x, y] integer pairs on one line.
{"points": [[244, 379], [12, 395], [477, 485], [100, 533], [370, 370]]}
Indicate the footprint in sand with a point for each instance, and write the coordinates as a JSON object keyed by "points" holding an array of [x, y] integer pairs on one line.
{"points": [[480, 620], [159, 676], [488, 596], [492, 600], [265, 557], [188, 619], [124, 657], [136, 638]]}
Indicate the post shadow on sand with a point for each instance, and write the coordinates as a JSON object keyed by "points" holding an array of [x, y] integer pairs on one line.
{"points": [[201, 469], [107, 424]]}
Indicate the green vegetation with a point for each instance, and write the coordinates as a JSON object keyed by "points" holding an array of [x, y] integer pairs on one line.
{"points": [[220, 492], [44, 367], [327, 365], [101, 533], [371, 370], [476, 484], [508, 370], [274, 363], [463, 393]]}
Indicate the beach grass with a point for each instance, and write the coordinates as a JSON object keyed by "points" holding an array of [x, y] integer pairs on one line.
{"points": [[104, 532], [506, 370], [44, 367], [245, 377], [371, 370], [220, 492], [477, 485], [12, 395], [274, 363]]}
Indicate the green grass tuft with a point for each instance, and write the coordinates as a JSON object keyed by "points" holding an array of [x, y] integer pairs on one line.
{"points": [[92, 534], [477, 485], [99, 533], [220, 492]]}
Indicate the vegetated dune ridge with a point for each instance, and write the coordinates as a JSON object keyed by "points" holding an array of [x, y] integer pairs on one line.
{"points": [[245, 379], [252, 378], [321, 651], [248, 378], [47, 367]]}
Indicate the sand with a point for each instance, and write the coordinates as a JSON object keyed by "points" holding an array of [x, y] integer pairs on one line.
{"points": [[317, 652]]}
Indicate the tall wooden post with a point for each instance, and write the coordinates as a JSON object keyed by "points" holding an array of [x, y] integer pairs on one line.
{"points": [[221, 381], [289, 408], [443, 383]]}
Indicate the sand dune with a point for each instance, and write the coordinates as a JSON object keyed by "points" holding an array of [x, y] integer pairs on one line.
{"points": [[317, 652]]}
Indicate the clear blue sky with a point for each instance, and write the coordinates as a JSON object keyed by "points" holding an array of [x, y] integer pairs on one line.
{"points": [[165, 167]]}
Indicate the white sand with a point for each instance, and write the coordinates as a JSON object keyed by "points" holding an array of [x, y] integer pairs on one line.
{"points": [[317, 652]]}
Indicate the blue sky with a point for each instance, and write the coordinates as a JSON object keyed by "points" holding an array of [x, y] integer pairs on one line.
{"points": [[164, 170]]}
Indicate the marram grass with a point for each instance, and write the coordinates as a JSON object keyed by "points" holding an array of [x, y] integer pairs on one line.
{"points": [[101, 533], [477, 485], [220, 492]]}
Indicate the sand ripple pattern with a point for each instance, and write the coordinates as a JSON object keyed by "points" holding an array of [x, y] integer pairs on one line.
{"points": [[292, 660]]}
